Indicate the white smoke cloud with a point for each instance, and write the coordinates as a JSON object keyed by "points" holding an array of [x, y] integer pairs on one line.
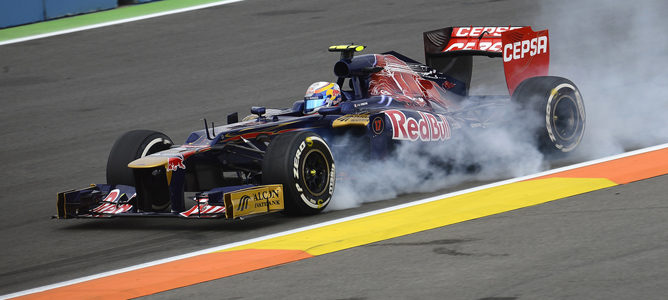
{"points": [[499, 151], [615, 51]]}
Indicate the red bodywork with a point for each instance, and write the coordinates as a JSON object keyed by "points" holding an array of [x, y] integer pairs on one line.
{"points": [[405, 85], [525, 53]]}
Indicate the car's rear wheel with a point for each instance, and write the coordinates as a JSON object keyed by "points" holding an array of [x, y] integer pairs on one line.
{"points": [[561, 109], [130, 146], [302, 162]]}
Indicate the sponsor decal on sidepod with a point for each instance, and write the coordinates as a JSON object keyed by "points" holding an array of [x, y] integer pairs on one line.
{"points": [[428, 127]]}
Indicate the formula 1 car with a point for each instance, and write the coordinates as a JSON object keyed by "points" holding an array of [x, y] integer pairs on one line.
{"points": [[282, 160]]}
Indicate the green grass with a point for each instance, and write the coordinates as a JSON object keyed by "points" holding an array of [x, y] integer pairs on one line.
{"points": [[121, 13]]}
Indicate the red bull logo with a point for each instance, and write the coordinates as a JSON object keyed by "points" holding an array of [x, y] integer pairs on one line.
{"points": [[175, 163], [428, 127]]}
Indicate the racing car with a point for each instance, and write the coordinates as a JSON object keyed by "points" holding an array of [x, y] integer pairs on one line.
{"points": [[283, 159]]}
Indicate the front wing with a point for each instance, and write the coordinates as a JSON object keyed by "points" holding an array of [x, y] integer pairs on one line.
{"points": [[105, 201]]}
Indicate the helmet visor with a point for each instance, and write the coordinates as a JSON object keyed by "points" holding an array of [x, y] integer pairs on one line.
{"points": [[311, 104]]}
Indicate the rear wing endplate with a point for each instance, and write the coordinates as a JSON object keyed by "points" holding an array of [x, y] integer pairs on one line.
{"points": [[525, 53]]}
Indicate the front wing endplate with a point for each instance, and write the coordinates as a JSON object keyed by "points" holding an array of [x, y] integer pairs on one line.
{"points": [[255, 200]]}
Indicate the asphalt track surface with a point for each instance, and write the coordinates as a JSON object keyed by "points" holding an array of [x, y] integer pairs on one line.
{"points": [[66, 98]]}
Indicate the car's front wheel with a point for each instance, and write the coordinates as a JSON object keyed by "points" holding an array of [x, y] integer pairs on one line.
{"points": [[302, 162], [130, 146]]}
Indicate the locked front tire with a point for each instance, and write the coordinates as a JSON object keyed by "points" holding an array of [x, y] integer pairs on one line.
{"points": [[302, 162]]}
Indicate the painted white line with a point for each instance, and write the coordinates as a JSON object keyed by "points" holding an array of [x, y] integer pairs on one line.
{"points": [[367, 214], [110, 23]]}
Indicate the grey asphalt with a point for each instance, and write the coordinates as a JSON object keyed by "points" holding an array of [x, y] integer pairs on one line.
{"points": [[65, 99], [607, 244]]}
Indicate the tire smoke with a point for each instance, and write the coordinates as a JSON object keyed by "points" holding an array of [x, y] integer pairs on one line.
{"points": [[615, 51], [501, 150]]}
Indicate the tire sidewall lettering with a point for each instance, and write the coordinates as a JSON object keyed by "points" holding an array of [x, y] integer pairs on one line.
{"points": [[297, 159]]}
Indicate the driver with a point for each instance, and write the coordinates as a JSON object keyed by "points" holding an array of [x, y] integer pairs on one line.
{"points": [[321, 94]]}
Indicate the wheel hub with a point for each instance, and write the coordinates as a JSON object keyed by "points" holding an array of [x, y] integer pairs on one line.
{"points": [[565, 117], [316, 172]]}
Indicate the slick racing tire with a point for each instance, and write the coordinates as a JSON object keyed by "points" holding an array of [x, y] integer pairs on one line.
{"points": [[561, 109], [130, 146], [302, 162]]}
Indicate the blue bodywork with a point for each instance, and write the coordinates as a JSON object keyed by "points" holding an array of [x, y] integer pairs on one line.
{"points": [[229, 157]]}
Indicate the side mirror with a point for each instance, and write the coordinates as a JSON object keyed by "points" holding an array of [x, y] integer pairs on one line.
{"points": [[232, 118], [258, 110]]}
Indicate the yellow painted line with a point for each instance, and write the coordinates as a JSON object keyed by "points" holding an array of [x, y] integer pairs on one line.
{"points": [[430, 215], [378, 225]]}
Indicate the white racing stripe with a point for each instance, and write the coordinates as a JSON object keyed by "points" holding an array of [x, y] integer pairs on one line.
{"points": [[110, 23], [371, 213]]}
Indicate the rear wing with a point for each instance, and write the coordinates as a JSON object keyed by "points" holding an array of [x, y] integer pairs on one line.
{"points": [[525, 53]]}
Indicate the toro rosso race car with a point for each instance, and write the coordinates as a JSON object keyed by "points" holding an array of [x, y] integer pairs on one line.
{"points": [[282, 160]]}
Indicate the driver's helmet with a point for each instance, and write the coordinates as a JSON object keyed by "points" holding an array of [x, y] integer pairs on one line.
{"points": [[321, 94]]}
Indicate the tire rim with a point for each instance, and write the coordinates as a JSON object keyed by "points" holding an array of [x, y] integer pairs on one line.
{"points": [[315, 171], [566, 117]]}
